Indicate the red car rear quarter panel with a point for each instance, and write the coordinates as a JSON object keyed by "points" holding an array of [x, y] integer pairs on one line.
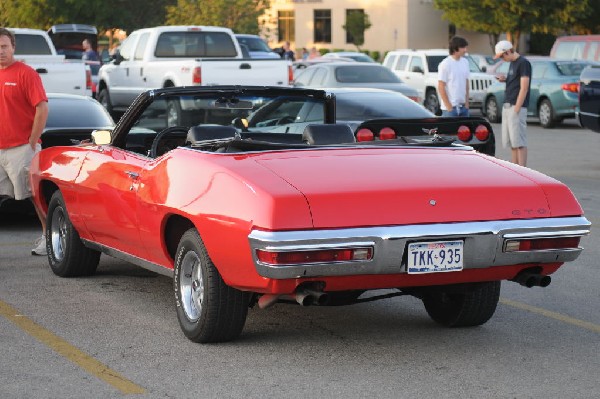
{"points": [[348, 188], [225, 196]]}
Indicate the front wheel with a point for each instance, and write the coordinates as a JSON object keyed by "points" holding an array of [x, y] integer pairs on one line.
{"points": [[468, 306], [546, 114], [67, 255], [208, 310], [104, 99], [491, 110]]}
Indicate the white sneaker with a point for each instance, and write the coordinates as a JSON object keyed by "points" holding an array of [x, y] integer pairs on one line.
{"points": [[40, 247]]}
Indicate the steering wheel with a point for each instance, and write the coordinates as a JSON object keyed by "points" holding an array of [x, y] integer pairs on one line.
{"points": [[161, 135]]}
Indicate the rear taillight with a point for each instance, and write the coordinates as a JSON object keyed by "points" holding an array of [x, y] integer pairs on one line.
{"points": [[464, 133], [197, 76], [482, 133], [315, 256], [88, 79], [364, 135], [541, 244], [570, 87], [387, 133], [290, 75]]}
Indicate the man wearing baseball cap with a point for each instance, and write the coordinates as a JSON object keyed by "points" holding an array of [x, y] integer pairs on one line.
{"points": [[516, 100]]}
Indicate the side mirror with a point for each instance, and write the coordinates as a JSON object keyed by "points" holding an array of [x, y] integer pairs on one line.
{"points": [[417, 69], [101, 137], [118, 58], [483, 68]]}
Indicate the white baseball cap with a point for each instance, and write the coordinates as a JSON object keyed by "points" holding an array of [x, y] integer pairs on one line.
{"points": [[501, 47]]}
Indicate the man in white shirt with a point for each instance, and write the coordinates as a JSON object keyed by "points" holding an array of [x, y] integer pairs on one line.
{"points": [[453, 81]]}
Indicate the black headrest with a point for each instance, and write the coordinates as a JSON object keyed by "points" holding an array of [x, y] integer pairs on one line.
{"points": [[200, 133], [327, 134]]}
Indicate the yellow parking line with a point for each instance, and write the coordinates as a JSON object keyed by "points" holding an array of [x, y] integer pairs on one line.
{"points": [[553, 315], [63, 348]]}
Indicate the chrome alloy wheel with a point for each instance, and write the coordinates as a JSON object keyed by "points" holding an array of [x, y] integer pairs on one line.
{"points": [[545, 114], [191, 286], [58, 233]]}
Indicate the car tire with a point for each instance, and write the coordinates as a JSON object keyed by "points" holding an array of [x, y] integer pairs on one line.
{"points": [[492, 111], [177, 116], [104, 99], [467, 306], [208, 310], [432, 102], [546, 114], [67, 255]]}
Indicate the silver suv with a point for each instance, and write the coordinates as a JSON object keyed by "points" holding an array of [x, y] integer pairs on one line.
{"points": [[419, 69]]}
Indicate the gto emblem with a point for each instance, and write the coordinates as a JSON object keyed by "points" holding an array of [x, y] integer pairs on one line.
{"points": [[430, 131], [432, 202], [540, 211]]}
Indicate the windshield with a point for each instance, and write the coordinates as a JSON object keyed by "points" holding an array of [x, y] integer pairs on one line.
{"points": [[371, 105], [570, 68], [61, 111], [365, 74], [254, 44]]}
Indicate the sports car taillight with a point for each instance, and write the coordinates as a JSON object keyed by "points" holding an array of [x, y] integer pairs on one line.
{"points": [[290, 75], [387, 133], [482, 133], [364, 135], [570, 87], [541, 244], [464, 133], [314, 256]]}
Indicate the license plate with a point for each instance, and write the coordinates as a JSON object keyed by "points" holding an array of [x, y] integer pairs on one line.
{"points": [[433, 257]]}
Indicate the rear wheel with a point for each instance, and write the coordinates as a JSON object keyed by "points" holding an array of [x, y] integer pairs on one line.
{"points": [[432, 102], [67, 255], [208, 310], [546, 114], [491, 110], [467, 306]]}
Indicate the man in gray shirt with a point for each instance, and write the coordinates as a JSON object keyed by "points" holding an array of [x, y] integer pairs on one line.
{"points": [[516, 100]]}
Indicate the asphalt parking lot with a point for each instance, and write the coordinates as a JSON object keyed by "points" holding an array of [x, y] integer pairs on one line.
{"points": [[116, 334]]}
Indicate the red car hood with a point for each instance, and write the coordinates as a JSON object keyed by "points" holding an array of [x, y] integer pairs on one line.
{"points": [[351, 187]]}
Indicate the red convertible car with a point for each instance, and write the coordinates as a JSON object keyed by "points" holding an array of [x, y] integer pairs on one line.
{"points": [[261, 197]]}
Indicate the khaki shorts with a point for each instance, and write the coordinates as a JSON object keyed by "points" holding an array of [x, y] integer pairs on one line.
{"points": [[514, 127], [14, 171]]}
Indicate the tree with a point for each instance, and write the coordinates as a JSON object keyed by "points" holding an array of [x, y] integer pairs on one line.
{"points": [[357, 22], [513, 17], [238, 15]]}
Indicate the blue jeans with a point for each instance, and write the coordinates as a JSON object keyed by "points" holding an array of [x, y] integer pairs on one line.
{"points": [[456, 111]]}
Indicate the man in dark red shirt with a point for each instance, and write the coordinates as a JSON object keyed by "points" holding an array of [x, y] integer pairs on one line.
{"points": [[23, 114]]}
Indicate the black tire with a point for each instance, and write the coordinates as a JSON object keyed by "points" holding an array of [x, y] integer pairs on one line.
{"points": [[67, 255], [104, 99], [208, 310], [469, 306], [432, 101], [492, 111], [546, 114], [176, 116]]}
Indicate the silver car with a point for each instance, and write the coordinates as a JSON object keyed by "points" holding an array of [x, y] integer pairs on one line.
{"points": [[354, 75]]}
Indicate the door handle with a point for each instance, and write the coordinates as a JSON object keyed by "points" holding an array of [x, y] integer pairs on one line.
{"points": [[41, 70], [245, 66]]}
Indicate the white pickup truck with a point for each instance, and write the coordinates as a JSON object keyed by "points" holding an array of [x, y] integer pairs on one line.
{"points": [[35, 48], [167, 56]]}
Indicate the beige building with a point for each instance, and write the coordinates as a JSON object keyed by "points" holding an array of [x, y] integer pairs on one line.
{"points": [[395, 24]]}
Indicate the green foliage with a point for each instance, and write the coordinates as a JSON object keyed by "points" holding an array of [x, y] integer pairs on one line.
{"points": [[376, 55], [239, 15], [357, 22], [514, 17]]}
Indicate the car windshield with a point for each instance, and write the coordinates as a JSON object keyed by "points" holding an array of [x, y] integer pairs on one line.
{"points": [[365, 74], [61, 111], [568, 68], [372, 105], [254, 44]]}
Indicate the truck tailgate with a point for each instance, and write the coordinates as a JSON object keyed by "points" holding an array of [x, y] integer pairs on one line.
{"points": [[256, 72]]}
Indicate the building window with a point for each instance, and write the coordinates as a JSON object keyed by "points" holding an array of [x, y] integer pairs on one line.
{"points": [[322, 19], [285, 26], [349, 13]]}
